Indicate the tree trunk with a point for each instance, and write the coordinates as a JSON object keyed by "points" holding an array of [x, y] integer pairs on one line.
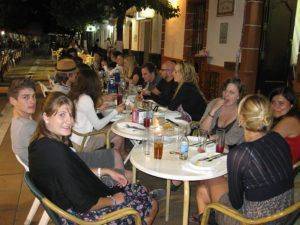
{"points": [[120, 22]]}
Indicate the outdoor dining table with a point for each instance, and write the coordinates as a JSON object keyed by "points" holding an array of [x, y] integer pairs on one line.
{"points": [[135, 136], [170, 167]]}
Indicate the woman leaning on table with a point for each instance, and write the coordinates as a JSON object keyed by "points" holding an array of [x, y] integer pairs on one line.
{"points": [[287, 118], [221, 113], [65, 179], [260, 174]]}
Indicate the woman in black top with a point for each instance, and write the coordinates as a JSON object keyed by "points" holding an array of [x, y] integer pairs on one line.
{"points": [[260, 175], [188, 99], [64, 178]]}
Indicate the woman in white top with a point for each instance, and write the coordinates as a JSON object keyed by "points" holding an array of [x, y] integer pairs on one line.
{"points": [[86, 95]]}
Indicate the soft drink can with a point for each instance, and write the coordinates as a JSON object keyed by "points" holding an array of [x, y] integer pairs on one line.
{"points": [[135, 115]]}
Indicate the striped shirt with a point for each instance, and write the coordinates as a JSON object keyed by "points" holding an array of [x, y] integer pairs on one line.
{"points": [[259, 170]]}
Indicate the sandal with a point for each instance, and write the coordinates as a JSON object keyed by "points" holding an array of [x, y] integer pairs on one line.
{"points": [[195, 218]]}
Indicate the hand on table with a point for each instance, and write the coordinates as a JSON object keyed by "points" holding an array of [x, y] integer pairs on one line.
{"points": [[110, 97], [145, 92], [103, 106], [120, 108]]}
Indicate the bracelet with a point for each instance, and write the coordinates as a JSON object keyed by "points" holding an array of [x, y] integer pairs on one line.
{"points": [[99, 172], [114, 202], [210, 115]]}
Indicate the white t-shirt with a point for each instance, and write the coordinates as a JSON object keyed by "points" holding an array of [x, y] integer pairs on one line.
{"points": [[87, 119]]}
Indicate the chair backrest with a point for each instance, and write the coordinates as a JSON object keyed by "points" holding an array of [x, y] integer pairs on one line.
{"points": [[22, 163], [55, 218], [55, 212], [44, 89]]}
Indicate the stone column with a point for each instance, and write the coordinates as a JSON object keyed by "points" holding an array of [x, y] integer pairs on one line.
{"points": [[251, 43]]}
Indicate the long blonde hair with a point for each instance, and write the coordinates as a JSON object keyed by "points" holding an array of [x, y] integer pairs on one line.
{"points": [[131, 64], [189, 75], [255, 114], [50, 107]]}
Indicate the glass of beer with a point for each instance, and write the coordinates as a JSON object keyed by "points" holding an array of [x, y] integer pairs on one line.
{"points": [[158, 146]]}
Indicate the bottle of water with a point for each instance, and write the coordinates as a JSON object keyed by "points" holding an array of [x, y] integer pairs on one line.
{"points": [[183, 148]]}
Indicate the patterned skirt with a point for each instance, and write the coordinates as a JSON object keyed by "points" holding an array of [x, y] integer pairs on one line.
{"points": [[260, 209], [136, 197]]}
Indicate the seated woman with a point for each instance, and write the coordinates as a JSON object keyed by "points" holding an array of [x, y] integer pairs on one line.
{"points": [[132, 72], [188, 98], [287, 118], [256, 189], [66, 180], [86, 94], [221, 113]]}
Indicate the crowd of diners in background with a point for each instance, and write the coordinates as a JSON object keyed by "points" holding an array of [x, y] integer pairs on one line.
{"points": [[262, 135]]}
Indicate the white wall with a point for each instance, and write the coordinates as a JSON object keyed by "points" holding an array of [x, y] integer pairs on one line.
{"points": [[156, 34], [135, 35], [224, 52], [174, 33], [296, 37]]}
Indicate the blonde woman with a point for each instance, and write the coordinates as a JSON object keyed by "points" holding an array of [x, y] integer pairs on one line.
{"points": [[260, 174], [132, 72], [188, 97]]}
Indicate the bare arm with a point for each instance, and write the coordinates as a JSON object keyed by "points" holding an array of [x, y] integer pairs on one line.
{"points": [[209, 114], [155, 91], [287, 127]]}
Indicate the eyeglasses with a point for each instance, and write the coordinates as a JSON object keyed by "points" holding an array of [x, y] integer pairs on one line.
{"points": [[164, 69]]}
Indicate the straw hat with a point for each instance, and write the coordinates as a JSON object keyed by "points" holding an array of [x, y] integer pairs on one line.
{"points": [[66, 66]]}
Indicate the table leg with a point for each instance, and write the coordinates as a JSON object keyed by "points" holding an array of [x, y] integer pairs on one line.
{"points": [[186, 201], [168, 200], [135, 143], [133, 174]]}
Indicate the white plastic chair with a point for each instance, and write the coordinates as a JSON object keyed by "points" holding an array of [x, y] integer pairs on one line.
{"points": [[35, 205], [44, 89]]}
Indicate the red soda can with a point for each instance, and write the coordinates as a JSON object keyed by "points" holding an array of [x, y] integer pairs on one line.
{"points": [[135, 115]]}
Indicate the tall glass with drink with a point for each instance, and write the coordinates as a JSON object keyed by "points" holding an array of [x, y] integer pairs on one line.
{"points": [[202, 139], [220, 142], [158, 145]]}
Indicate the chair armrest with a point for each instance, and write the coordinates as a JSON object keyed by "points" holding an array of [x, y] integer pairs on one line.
{"points": [[103, 220], [239, 217], [92, 133]]}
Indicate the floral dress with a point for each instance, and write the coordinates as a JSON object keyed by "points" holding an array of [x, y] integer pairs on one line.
{"points": [[136, 197]]}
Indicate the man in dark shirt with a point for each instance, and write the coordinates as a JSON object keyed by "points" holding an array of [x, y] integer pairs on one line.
{"points": [[164, 90]]}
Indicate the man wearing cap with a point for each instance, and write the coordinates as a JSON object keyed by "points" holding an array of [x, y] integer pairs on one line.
{"points": [[66, 75]]}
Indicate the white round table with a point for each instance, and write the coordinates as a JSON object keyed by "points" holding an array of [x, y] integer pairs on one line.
{"points": [[170, 167]]}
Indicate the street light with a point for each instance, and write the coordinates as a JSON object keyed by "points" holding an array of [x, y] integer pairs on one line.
{"points": [[2, 32], [147, 13]]}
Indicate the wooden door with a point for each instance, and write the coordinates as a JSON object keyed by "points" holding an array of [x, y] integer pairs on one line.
{"points": [[275, 51]]}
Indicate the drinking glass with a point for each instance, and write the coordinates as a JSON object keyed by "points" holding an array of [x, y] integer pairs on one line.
{"points": [[158, 146], [202, 139], [119, 99], [220, 142]]}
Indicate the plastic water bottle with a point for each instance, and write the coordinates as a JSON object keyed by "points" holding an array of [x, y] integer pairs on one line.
{"points": [[184, 148]]}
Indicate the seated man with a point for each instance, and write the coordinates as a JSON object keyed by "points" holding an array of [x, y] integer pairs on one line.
{"points": [[66, 75], [150, 76], [165, 89], [22, 96]]}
